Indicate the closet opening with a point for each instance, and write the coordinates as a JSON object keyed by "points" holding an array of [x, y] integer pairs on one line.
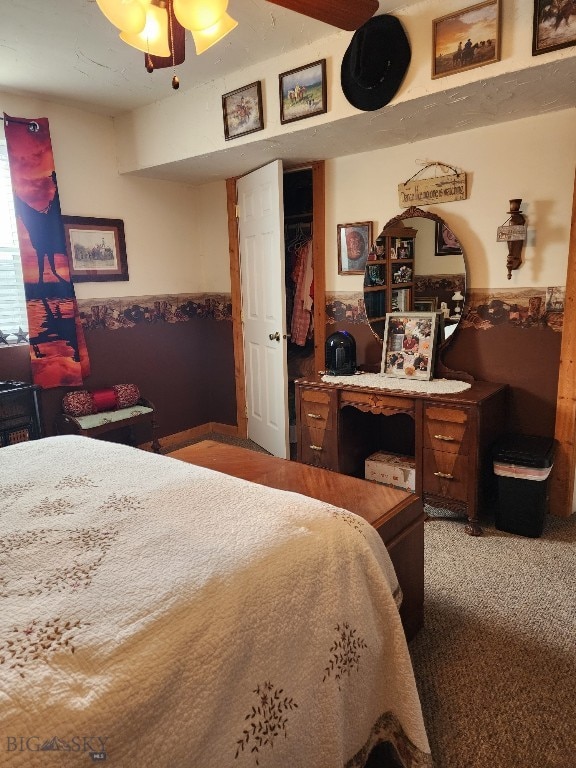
{"points": [[299, 278]]}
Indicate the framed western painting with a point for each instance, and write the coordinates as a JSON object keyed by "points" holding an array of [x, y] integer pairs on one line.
{"points": [[409, 345], [466, 39], [242, 111], [554, 25], [354, 241], [96, 249], [303, 92]]}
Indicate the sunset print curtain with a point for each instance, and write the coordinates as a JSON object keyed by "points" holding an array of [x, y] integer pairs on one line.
{"points": [[57, 347]]}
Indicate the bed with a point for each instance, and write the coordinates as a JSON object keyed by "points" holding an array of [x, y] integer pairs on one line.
{"points": [[159, 614]]}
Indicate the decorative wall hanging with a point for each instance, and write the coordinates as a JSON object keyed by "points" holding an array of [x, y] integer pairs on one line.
{"points": [[96, 249], [303, 92], [513, 231], [57, 347], [554, 25], [433, 190], [242, 111], [354, 243], [466, 39]]}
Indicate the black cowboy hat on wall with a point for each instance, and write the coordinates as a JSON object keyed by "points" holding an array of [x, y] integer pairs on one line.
{"points": [[375, 63]]}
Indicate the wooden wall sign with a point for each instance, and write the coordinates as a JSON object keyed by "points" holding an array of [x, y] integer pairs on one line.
{"points": [[511, 232], [438, 189]]}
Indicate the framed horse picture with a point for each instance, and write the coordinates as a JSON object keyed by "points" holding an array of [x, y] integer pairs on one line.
{"points": [[242, 111], [554, 25], [96, 249], [466, 39], [303, 92]]}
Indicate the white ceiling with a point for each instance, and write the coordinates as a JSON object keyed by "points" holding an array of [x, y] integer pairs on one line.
{"points": [[66, 51]]}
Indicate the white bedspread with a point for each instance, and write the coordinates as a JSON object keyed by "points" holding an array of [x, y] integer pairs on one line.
{"points": [[156, 614]]}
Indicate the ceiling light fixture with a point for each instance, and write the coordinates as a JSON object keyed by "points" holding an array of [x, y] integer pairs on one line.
{"points": [[157, 27]]}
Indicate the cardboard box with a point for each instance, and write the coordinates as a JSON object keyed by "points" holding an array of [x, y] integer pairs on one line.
{"points": [[391, 469]]}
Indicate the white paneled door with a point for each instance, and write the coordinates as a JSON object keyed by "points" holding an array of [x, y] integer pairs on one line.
{"points": [[261, 236]]}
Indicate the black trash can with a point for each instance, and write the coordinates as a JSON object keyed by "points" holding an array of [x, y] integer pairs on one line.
{"points": [[522, 465]]}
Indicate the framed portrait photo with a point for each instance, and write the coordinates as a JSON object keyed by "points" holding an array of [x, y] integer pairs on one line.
{"points": [[446, 241], [410, 340], [354, 241], [303, 92], [466, 39], [96, 249], [242, 111], [554, 25]]}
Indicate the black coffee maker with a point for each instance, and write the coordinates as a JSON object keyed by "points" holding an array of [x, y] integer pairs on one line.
{"points": [[340, 354]]}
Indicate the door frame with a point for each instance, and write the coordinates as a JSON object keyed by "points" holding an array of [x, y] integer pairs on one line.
{"points": [[562, 477], [319, 267]]}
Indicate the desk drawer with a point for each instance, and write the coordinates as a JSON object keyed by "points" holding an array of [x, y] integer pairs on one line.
{"points": [[316, 409], [446, 429], [318, 442], [445, 474], [319, 448]]}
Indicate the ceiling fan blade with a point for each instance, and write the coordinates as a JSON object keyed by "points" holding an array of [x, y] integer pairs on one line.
{"points": [[344, 14]]}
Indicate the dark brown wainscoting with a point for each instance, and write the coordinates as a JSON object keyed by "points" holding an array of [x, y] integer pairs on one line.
{"points": [[525, 358], [186, 369]]}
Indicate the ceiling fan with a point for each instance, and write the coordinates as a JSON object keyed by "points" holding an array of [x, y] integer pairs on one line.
{"points": [[158, 27], [344, 14]]}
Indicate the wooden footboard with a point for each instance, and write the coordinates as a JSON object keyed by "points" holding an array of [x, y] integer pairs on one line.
{"points": [[397, 515]]}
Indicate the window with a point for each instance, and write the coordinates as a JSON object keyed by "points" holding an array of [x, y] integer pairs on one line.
{"points": [[13, 317]]}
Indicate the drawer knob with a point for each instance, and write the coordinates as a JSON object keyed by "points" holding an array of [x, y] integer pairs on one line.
{"points": [[444, 475], [316, 447], [314, 415], [447, 438]]}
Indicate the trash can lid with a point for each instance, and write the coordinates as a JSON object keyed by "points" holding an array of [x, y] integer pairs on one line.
{"points": [[525, 450]]}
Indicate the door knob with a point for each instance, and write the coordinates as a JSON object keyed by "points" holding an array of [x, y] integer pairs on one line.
{"points": [[273, 336]]}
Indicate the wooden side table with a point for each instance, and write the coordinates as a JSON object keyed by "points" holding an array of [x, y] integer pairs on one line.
{"points": [[20, 418]]}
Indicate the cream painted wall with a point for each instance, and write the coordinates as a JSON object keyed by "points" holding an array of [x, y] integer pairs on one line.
{"points": [[533, 159], [164, 221], [212, 247]]}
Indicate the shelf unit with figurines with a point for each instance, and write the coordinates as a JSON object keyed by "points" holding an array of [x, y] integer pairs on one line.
{"points": [[389, 277]]}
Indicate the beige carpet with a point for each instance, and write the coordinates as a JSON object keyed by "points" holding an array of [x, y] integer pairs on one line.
{"points": [[496, 661]]}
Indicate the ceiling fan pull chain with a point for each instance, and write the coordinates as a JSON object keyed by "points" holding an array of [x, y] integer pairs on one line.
{"points": [[175, 80]]}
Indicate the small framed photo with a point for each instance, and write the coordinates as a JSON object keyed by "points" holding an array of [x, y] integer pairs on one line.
{"points": [[96, 249], [446, 241], [409, 347], [242, 111], [554, 25], [466, 39], [354, 241], [426, 304], [303, 92]]}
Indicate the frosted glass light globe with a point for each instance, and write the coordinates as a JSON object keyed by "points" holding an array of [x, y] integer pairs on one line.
{"points": [[128, 15], [199, 14]]}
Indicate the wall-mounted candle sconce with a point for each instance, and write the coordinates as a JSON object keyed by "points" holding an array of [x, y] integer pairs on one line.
{"points": [[513, 232]]}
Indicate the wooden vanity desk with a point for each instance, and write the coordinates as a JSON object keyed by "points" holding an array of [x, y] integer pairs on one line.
{"points": [[449, 436]]}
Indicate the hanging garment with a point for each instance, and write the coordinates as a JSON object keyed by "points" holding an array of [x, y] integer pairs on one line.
{"points": [[302, 312]]}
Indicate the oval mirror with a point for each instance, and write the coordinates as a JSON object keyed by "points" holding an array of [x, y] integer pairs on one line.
{"points": [[418, 266]]}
